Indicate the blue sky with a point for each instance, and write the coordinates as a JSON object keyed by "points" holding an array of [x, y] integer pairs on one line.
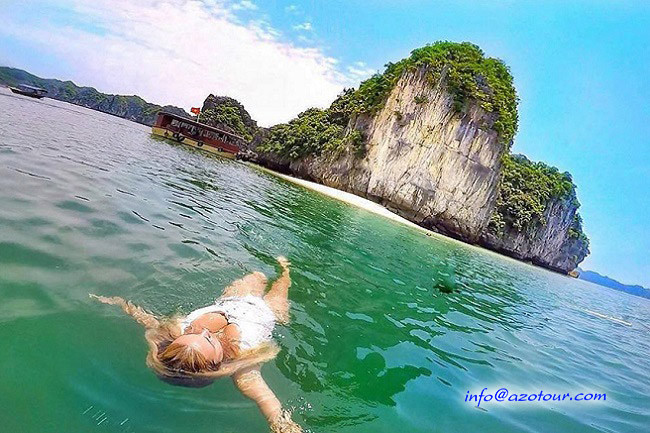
{"points": [[581, 68]]}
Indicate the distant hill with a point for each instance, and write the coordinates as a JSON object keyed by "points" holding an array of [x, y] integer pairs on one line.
{"points": [[596, 278], [128, 107], [228, 114]]}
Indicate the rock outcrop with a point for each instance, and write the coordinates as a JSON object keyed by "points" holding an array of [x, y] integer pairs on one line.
{"points": [[228, 114], [430, 139], [549, 244], [423, 160], [536, 217]]}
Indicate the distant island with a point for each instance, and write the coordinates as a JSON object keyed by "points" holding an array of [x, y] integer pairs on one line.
{"points": [[429, 138], [601, 280], [128, 107]]}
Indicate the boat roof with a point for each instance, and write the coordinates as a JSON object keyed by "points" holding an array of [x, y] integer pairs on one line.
{"points": [[27, 86], [199, 124]]}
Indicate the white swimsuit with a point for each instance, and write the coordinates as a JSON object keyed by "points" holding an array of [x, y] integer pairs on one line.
{"points": [[250, 313]]}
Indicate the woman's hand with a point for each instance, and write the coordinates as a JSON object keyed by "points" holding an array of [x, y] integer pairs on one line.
{"points": [[284, 262], [113, 300], [284, 424], [141, 316], [250, 382]]}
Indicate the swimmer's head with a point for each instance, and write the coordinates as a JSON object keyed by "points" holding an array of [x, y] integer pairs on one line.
{"points": [[193, 353]]}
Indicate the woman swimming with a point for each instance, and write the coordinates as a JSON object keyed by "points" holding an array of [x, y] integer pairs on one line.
{"points": [[231, 337]]}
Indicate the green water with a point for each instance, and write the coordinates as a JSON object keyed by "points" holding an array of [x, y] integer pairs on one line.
{"points": [[91, 203]]}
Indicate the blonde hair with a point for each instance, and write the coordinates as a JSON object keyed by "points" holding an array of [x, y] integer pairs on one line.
{"points": [[184, 365], [185, 357]]}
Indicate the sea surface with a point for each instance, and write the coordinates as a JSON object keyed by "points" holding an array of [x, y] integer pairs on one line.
{"points": [[90, 203]]}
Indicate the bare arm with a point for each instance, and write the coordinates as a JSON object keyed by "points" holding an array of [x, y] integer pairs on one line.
{"points": [[284, 281], [144, 318], [251, 383], [278, 296], [252, 284]]}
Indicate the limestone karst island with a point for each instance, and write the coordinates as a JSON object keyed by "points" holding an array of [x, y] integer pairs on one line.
{"points": [[429, 138], [324, 216]]}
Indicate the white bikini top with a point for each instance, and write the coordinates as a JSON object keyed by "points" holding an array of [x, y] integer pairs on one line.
{"points": [[250, 313]]}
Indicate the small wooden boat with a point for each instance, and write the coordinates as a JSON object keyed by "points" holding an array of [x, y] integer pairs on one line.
{"points": [[198, 135], [31, 91]]}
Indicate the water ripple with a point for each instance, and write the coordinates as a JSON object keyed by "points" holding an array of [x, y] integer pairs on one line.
{"points": [[375, 342]]}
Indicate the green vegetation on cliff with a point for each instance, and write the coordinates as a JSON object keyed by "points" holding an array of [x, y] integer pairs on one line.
{"points": [[315, 131], [526, 190], [462, 67], [228, 114], [224, 115], [575, 231], [467, 73]]}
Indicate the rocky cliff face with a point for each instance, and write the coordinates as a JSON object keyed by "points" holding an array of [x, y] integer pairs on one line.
{"points": [[549, 245], [436, 167], [430, 138], [536, 216]]}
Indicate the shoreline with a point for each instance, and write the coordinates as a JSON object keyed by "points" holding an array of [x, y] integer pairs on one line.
{"points": [[377, 209], [345, 197]]}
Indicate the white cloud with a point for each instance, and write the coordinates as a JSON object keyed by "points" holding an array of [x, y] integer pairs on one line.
{"points": [[204, 49], [305, 27], [305, 39], [291, 9], [245, 4]]}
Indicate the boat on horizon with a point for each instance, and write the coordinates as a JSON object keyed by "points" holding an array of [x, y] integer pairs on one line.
{"points": [[199, 135], [27, 90]]}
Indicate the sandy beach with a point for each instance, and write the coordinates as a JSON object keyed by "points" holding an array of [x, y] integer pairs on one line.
{"points": [[347, 197], [378, 209]]}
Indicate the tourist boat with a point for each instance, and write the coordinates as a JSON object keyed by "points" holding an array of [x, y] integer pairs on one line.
{"points": [[32, 91], [198, 135]]}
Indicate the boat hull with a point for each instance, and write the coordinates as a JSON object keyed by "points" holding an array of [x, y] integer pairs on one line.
{"points": [[31, 95], [206, 147]]}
